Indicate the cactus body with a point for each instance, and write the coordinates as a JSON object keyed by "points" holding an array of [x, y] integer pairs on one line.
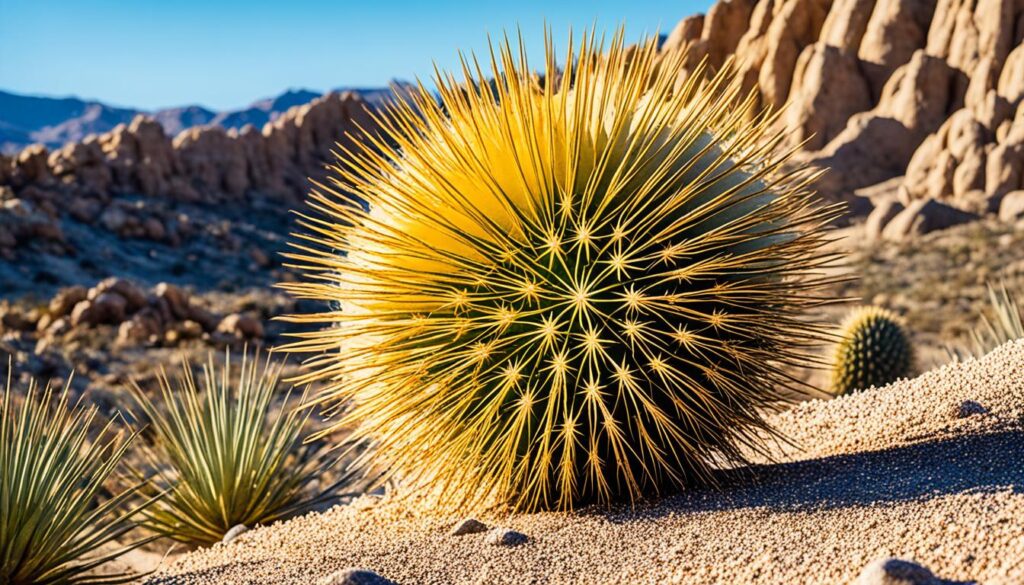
{"points": [[874, 351], [556, 293]]}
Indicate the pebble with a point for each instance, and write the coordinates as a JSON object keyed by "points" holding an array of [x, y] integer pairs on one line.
{"points": [[354, 577], [893, 571], [234, 533], [469, 526], [506, 537]]}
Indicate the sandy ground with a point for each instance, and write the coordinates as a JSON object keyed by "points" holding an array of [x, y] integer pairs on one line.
{"points": [[930, 469]]}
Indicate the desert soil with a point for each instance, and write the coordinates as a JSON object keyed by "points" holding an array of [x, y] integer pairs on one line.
{"points": [[926, 469]]}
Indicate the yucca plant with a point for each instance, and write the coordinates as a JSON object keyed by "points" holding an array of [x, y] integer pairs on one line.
{"points": [[874, 349], [1002, 324], [56, 459], [223, 455], [544, 294]]}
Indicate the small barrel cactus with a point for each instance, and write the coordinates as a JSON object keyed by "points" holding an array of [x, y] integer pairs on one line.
{"points": [[874, 351], [550, 290]]}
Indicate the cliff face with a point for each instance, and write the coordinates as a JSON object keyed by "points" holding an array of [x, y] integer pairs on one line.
{"points": [[926, 96]]}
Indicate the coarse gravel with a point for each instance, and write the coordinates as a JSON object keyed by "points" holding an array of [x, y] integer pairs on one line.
{"points": [[904, 471]]}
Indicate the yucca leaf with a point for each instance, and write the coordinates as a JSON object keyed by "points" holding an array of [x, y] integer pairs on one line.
{"points": [[54, 464], [222, 454]]}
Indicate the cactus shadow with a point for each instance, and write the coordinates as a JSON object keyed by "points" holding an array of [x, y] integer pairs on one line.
{"points": [[984, 463]]}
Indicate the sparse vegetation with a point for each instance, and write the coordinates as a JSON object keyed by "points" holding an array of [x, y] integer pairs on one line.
{"points": [[57, 521], [1000, 323], [223, 454]]}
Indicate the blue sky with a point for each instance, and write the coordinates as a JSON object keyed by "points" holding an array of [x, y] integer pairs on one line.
{"points": [[226, 53]]}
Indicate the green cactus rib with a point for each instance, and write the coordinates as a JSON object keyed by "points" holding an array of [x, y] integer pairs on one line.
{"points": [[874, 350]]}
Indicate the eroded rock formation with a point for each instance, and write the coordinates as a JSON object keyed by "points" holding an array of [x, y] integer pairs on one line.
{"points": [[927, 91]]}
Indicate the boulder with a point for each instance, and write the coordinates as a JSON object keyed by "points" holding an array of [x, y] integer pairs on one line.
{"points": [[241, 326], [896, 30], [1011, 208], [827, 89], [65, 300], [924, 216], [880, 216]]}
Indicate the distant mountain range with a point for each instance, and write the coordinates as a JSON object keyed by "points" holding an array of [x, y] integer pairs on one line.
{"points": [[27, 119]]}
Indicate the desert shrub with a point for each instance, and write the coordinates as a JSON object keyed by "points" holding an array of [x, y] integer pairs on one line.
{"points": [[544, 294], [57, 459], [874, 350], [1000, 324], [224, 456]]}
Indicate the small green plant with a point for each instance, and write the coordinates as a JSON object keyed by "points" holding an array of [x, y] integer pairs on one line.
{"points": [[224, 457], [52, 530], [874, 350], [1001, 325]]}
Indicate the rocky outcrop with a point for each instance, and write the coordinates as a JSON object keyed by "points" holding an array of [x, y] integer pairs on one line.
{"points": [[131, 180], [928, 90], [166, 315]]}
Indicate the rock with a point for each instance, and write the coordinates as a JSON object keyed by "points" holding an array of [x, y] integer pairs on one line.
{"points": [[795, 26], [234, 533], [31, 166], [827, 89], [213, 159], [84, 209], [154, 229], [65, 300], [723, 27], [892, 571], [896, 30], [241, 326], [1012, 206], [1011, 79], [686, 32], [12, 319], [354, 577], [469, 526], [970, 408], [1003, 169], [880, 216], [114, 219], [134, 298], [846, 24], [177, 300], [505, 537], [921, 217], [144, 327], [107, 308], [951, 161], [918, 94]]}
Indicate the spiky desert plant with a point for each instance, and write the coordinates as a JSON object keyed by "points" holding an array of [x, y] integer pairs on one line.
{"points": [[874, 350], [56, 457], [222, 454], [547, 294], [1001, 324]]}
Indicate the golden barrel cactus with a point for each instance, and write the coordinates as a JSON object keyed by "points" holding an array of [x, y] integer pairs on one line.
{"points": [[550, 290]]}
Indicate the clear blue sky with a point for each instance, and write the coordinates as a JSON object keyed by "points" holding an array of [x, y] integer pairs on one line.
{"points": [[226, 53]]}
